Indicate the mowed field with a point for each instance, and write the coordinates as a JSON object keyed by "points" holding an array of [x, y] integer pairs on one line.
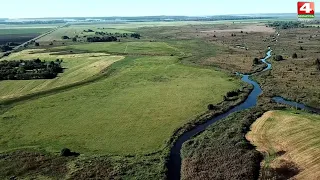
{"points": [[289, 139], [78, 67]]}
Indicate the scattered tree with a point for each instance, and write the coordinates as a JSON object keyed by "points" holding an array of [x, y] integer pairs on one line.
{"points": [[294, 56], [278, 58], [65, 37], [36, 44], [256, 61]]}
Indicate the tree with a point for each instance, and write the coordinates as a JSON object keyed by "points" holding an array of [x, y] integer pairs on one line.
{"points": [[211, 107], [36, 44], [256, 61], [278, 58], [74, 39], [301, 48], [294, 56], [318, 64], [65, 37]]}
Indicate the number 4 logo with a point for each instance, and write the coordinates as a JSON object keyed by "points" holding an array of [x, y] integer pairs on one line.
{"points": [[306, 9]]}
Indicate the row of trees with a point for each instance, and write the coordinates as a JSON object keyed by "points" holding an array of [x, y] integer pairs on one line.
{"points": [[29, 69], [102, 39], [5, 48], [286, 24]]}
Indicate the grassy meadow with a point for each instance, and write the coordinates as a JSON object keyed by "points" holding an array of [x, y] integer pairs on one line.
{"points": [[134, 111], [135, 48], [291, 142], [78, 67]]}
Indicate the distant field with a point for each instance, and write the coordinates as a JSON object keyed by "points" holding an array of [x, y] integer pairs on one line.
{"points": [[78, 67], [24, 31], [134, 111], [289, 140], [20, 35], [147, 48], [74, 30]]}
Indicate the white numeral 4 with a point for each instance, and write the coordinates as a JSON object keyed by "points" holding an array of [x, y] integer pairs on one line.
{"points": [[306, 8]]}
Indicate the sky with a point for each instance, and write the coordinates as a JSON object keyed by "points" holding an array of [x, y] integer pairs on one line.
{"points": [[103, 8]]}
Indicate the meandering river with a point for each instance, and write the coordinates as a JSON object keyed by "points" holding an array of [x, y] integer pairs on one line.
{"points": [[174, 164]]}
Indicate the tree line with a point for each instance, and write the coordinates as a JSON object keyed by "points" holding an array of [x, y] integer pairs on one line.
{"points": [[29, 69], [286, 24]]}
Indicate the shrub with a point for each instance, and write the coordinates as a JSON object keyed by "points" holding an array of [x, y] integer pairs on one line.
{"points": [[65, 152], [294, 55], [278, 58], [232, 93], [211, 107], [301, 48], [256, 61], [36, 44], [65, 37]]}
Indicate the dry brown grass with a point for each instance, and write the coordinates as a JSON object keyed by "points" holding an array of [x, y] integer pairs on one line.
{"points": [[296, 136], [296, 79]]}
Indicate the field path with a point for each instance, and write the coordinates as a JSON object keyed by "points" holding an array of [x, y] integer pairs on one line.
{"points": [[126, 48]]}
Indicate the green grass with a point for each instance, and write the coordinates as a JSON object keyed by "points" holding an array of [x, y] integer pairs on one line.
{"points": [[79, 67], [134, 111], [24, 31], [146, 48]]}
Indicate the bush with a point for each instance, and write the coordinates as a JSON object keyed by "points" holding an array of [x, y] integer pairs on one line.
{"points": [[301, 48], [36, 44], [67, 152], [65, 37], [278, 58], [256, 61], [294, 55], [211, 107], [232, 93]]}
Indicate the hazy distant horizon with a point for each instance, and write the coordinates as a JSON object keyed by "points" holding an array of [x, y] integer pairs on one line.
{"points": [[256, 14], [15, 9]]}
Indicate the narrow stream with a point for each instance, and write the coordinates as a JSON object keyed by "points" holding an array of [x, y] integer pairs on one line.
{"points": [[174, 164]]}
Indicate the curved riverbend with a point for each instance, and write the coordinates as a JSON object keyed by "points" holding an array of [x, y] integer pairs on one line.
{"points": [[174, 164]]}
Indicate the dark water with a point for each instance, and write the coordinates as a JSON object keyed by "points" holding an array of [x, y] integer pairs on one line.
{"points": [[174, 164], [281, 100]]}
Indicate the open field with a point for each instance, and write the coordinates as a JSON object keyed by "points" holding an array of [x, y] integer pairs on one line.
{"points": [[23, 31], [131, 48], [291, 143], [20, 34], [78, 67], [139, 106]]}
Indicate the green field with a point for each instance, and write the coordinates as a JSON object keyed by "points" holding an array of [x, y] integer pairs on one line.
{"points": [[24, 31], [78, 67], [144, 48], [134, 111]]}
